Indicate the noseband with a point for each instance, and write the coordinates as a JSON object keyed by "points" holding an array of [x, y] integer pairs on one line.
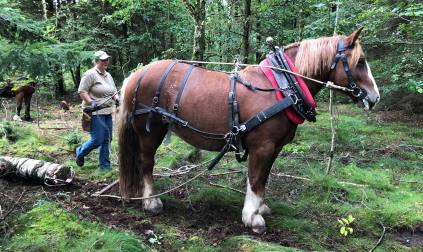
{"points": [[355, 90]]}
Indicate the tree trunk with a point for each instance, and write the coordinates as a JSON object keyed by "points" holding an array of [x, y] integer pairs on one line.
{"points": [[43, 2], [76, 76], [35, 170], [198, 14], [60, 82], [246, 31], [258, 36]]}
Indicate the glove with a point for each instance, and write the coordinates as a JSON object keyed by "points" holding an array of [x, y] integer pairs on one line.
{"points": [[117, 102], [92, 107]]}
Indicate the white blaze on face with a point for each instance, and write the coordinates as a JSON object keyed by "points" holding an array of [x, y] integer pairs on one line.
{"points": [[376, 90]]}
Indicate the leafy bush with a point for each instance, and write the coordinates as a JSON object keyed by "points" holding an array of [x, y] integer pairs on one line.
{"points": [[74, 138], [8, 131]]}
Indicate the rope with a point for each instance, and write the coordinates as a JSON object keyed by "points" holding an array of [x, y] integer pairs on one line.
{"points": [[327, 84], [159, 194], [331, 107]]}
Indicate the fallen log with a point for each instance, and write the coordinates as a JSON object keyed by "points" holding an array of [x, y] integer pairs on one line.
{"points": [[36, 170]]}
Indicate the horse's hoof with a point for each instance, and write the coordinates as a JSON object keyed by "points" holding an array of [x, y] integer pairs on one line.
{"points": [[153, 205], [258, 225], [17, 118], [27, 118], [259, 229], [265, 210]]}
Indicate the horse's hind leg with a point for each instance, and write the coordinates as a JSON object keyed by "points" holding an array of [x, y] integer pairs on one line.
{"points": [[259, 164], [27, 99], [148, 146], [19, 100]]}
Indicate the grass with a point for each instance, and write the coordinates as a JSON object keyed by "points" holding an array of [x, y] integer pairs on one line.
{"points": [[47, 227], [383, 161]]}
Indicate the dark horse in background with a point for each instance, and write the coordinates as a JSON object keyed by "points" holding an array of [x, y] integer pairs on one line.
{"points": [[204, 105], [22, 94]]}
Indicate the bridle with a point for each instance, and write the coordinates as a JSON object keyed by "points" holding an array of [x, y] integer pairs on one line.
{"points": [[355, 90]]}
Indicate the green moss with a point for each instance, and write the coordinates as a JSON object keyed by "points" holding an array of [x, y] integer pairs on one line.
{"points": [[245, 243], [49, 228]]}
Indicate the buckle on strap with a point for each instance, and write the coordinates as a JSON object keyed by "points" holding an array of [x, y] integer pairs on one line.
{"points": [[237, 129]]}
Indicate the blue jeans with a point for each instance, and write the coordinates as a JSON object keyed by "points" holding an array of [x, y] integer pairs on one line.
{"points": [[101, 136]]}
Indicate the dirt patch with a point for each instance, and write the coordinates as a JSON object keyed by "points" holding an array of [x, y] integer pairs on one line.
{"points": [[411, 237], [403, 107], [207, 219]]}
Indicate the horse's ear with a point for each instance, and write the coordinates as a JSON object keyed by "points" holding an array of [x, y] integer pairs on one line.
{"points": [[350, 40]]}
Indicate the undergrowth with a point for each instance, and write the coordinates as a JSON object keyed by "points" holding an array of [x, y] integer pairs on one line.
{"points": [[47, 227], [376, 178]]}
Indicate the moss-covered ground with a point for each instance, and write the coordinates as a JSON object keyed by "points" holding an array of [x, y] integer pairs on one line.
{"points": [[377, 178]]}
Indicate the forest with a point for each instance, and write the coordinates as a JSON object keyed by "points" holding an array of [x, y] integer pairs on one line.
{"points": [[372, 199]]}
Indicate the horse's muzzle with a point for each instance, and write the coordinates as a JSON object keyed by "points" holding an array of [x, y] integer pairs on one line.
{"points": [[369, 104]]}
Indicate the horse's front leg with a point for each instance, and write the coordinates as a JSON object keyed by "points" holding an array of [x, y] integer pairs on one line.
{"points": [[259, 164]]}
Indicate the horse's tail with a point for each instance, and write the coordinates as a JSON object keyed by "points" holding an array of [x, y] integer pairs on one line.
{"points": [[130, 175]]}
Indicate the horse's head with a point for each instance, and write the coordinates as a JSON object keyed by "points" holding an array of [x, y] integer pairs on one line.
{"points": [[350, 69]]}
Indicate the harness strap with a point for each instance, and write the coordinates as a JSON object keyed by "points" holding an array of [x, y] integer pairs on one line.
{"points": [[169, 117], [340, 55], [265, 114], [177, 100], [181, 89], [236, 141], [156, 98], [134, 96]]}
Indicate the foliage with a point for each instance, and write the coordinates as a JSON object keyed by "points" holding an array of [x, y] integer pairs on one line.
{"points": [[135, 32], [345, 225], [8, 132], [74, 138]]}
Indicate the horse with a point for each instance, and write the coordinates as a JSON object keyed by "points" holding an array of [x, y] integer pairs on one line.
{"points": [[204, 104], [22, 94]]}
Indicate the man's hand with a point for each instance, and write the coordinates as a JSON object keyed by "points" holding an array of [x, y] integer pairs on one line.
{"points": [[92, 107]]}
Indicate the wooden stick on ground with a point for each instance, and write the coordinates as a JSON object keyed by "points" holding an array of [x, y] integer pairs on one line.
{"points": [[380, 239], [226, 187], [307, 179], [108, 187], [13, 207]]}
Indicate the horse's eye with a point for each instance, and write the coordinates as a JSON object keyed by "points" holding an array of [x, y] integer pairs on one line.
{"points": [[361, 63]]}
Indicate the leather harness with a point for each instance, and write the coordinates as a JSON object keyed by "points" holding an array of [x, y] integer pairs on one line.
{"points": [[340, 55], [293, 97]]}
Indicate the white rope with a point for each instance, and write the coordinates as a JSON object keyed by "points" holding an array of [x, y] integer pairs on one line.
{"points": [[327, 84], [331, 107], [159, 194]]}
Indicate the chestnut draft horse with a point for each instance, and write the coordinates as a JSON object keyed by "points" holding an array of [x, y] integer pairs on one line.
{"points": [[204, 106], [22, 94]]}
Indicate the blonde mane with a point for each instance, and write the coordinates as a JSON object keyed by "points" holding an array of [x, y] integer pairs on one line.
{"points": [[315, 56]]}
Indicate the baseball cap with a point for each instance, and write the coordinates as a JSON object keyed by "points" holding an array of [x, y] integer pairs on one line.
{"points": [[101, 55]]}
